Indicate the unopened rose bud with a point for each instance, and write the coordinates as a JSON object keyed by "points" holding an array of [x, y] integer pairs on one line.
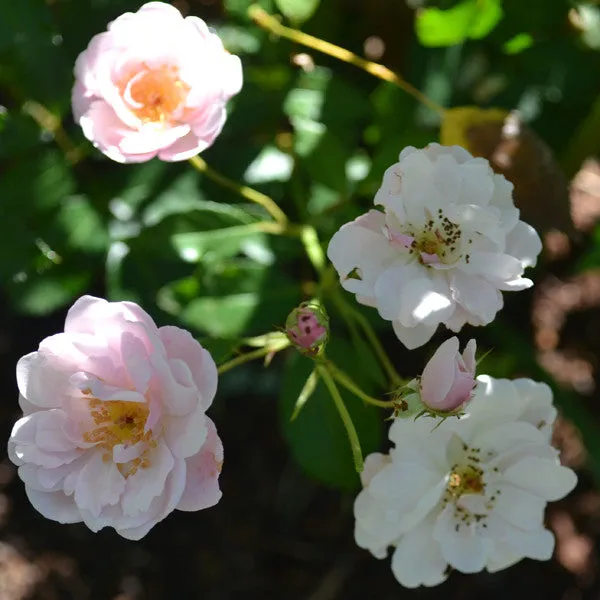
{"points": [[307, 327], [448, 379]]}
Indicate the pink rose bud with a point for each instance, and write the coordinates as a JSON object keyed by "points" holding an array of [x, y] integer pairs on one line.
{"points": [[449, 378], [154, 84], [114, 429], [307, 327]]}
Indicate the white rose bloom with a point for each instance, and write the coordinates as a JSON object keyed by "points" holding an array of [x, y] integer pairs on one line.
{"points": [[468, 494], [448, 241]]}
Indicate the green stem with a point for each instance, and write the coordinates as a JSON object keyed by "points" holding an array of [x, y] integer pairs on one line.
{"points": [[243, 190], [313, 248], [345, 415], [270, 23], [386, 363], [343, 379], [244, 358]]}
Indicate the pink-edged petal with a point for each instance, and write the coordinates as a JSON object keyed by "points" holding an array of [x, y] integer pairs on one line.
{"points": [[90, 315], [184, 148], [147, 483], [185, 435], [162, 506], [98, 484], [54, 505], [203, 470], [180, 344], [439, 373]]}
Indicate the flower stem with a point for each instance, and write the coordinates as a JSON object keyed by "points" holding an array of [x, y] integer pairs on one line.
{"points": [[244, 358], [313, 248], [345, 415], [243, 190], [343, 379], [386, 363], [269, 22], [51, 123]]}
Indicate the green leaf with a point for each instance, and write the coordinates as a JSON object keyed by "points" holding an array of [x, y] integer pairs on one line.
{"points": [[216, 244], [270, 165], [306, 392], [470, 19], [41, 295], [235, 299], [518, 43], [78, 226], [298, 11], [32, 61], [317, 437]]}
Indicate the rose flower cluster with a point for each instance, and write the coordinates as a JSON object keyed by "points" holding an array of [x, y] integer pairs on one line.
{"points": [[114, 431]]}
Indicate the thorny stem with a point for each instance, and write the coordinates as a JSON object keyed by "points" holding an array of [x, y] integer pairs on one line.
{"points": [[343, 379], [346, 419], [243, 190], [269, 22]]}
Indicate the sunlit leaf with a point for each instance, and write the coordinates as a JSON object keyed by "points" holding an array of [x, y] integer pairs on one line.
{"points": [[469, 19], [517, 44], [298, 11]]}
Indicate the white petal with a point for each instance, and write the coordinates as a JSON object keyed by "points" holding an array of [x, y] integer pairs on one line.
{"points": [[502, 557], [519, 507], [536, 399], [418, 560], [414, 337], [461, 546], [373, 464], [537, 544], [477, 296], [524, 243], [508, 436], [544, 478], [357, 246]]}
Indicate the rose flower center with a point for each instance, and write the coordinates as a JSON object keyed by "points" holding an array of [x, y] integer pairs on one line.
{"points": [[438, 242], [466, 479], [154, 94], [120, 422]]}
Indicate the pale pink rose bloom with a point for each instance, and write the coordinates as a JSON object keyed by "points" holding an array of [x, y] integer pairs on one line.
{"points": [[154, 84], [114, 431], [448, 379]]}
